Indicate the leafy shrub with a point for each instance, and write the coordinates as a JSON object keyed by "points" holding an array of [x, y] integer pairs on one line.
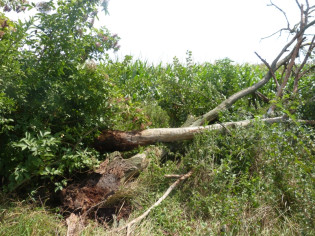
{"points": [[52, 91], [250, 170]]}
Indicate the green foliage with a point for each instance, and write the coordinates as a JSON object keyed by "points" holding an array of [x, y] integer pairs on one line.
{"points": [[52, 91], [6, 107], [306, 96], [188, 89]]}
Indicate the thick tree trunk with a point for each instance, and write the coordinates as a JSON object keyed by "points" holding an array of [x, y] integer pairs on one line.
{"points": [[122, 141]]}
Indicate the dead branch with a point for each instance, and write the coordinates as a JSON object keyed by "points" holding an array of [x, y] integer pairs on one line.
{"points": [[145, 214], [263, 97], [297, 2], [307, 4], [288, 71], [299, 75], [268, 66], [278, 31], [173, 176], [283, 12], [276, 64]]}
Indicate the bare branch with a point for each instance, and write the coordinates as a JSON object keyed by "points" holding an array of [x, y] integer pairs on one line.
{"points": [[288, 71], [284, 62], [263, 97], [297, 2], [141, 217], [173, 176], [124, 140], [312, 10], [311, 47], [279, 31], [309, 25], [285, 15], [271, 71], [307, 5]]}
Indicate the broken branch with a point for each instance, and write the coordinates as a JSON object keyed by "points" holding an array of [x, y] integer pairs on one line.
{"points": [[271, 71], [145, 214]]}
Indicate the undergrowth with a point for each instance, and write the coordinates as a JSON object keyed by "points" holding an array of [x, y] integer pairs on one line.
{"points": [[252, 181]]}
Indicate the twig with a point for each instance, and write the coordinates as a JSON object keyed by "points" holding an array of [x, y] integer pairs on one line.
{"points": [[285, 15], [297, 2], [307, 5], [173, 176], [271, 71], [227, 130], [310, 49], [141, 217], [278, 31]]}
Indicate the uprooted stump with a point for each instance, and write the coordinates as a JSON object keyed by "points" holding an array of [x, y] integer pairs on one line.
{"points": [[87, 197], [104, 182]]}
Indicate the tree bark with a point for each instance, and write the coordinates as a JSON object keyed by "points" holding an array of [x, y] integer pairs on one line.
{"points": [[123, 141]]}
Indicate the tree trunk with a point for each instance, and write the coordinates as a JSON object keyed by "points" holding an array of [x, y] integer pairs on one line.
{"points": [[122, 141]]}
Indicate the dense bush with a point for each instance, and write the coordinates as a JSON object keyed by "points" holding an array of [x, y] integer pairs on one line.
{"points": [[52, 93]]}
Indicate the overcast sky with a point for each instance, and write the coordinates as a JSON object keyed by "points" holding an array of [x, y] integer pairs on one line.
{"points": [[158, 30]]}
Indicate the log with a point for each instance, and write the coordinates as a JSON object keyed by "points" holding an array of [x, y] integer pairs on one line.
{"points": [[111, 140]]}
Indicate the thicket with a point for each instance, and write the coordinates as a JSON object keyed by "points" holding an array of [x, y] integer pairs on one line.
{"points": [[58, 89]]}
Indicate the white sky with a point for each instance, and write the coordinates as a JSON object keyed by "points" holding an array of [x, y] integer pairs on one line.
{"points": [[158, 30]]}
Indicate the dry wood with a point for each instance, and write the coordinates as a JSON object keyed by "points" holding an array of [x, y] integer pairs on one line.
{"points": [[75, 225], [146, 213], [173, 176], [262, 96], [305, 15], [270, 70], [119, 140]]}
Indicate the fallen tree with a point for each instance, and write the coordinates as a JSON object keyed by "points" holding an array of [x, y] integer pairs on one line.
{"points": [[117, 140], [121, 141], [113, 140]]}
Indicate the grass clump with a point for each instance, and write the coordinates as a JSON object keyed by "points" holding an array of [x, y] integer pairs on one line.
{"points": [[22, 218]]}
